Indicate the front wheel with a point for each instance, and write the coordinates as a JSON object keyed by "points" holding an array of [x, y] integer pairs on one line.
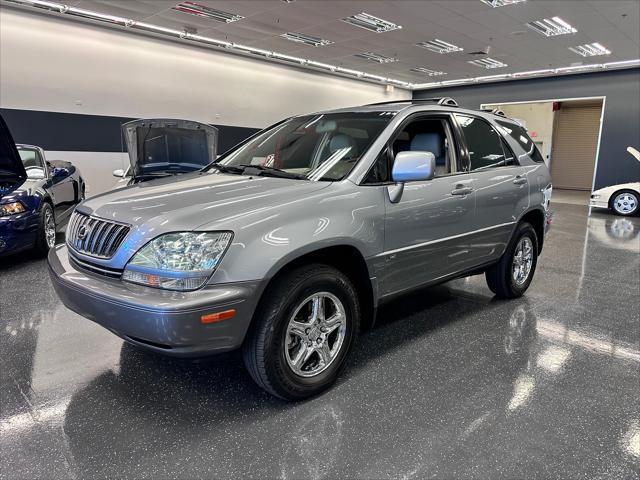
{"points": [[46, 230], [625, 203], [303, 332], [512, 275]]}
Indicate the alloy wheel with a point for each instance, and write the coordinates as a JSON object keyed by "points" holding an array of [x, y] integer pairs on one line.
{"points": [[315, 334], [522, 261], [49, 228], [625, 203]]}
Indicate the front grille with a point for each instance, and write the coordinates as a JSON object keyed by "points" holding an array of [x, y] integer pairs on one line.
{"points": [[93, 268], [93, 236]]}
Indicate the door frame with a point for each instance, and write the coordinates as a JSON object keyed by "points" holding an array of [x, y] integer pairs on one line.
{"points": [[599, 97]]}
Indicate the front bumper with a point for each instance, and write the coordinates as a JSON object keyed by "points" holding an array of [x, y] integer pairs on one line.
{"points": [[598, 203], [17, 232], [164, 321]]}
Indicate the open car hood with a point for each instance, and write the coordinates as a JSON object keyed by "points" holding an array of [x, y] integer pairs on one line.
{"points": [[162, 146], [12, 172]]}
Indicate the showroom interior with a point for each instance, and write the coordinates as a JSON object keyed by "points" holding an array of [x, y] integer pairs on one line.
{"points": [[450, 373]]}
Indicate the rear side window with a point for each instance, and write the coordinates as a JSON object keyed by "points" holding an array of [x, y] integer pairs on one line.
{"points": [[484, 143], [520, 135]]}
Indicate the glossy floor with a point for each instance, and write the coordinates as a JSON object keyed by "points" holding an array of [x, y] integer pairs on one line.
{"points": [[451, 383]]}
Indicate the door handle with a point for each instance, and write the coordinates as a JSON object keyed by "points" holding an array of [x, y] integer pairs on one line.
{"points": [[462, 191], [520, 180]]}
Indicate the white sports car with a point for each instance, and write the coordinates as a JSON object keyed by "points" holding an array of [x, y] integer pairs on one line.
{"points": [[623, 199]]}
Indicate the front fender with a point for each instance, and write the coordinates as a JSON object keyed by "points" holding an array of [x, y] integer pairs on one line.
{"points": [[343, 215]]}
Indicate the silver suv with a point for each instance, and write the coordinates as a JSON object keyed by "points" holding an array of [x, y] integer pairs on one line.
{"points": [[288, 243]]}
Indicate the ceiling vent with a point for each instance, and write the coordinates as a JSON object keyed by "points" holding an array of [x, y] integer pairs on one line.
{"points": [[488, 63], [428, 72], [551, 27], [306, 39], [371, 23], [203, 11], [374, 57], [501, 3], [439, 46], [590, 50]]}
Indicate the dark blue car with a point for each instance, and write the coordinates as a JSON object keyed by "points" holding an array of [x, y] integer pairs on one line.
{"points": [[36, 196]]}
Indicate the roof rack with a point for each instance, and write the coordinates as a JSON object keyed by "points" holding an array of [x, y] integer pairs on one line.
{"points": [[448, 101], [495, 111]]}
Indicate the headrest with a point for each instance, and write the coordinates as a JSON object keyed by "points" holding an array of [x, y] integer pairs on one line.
{"points": [[428, 142], [341, 141]]}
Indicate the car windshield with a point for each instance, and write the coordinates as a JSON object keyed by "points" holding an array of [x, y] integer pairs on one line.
{"points": [[30, 158], [322, 147]]}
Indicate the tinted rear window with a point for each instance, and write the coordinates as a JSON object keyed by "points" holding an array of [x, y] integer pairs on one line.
{"points": [[520, 135]]}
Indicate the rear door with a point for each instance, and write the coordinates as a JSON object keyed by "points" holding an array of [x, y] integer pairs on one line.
{"points": [[501, 187], [426, 230]]}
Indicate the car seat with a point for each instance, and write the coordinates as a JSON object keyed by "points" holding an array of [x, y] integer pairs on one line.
{"points": [[434, 143]]}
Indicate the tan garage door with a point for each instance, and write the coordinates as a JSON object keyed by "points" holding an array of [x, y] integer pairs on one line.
{"points": [[575, 141]]}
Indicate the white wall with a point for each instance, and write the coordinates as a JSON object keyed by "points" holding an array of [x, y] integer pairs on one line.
{"points": [[53, 64]]}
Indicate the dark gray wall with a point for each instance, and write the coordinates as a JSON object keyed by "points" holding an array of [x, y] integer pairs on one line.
{"points": [[621, 126]]}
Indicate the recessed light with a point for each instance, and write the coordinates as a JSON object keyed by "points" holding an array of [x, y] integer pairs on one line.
{"points": [[198, 10], [306, 39], [428, 72], [371, 23], [501, 3], [488, 63], [439, 46], [590, 50], [375, 57], [551, 27]]}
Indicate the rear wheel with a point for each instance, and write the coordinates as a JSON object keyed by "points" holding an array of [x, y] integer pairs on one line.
{"points": [[303, 332], [46, 230], [512, 275], [625, 202]]}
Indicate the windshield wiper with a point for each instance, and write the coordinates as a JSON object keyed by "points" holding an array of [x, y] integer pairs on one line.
{"points": [[270, 171], [226, 168]]}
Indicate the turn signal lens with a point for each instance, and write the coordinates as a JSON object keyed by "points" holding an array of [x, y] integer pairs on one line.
{"points": [[218, 316]]}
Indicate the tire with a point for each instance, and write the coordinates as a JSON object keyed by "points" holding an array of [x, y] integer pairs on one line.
{"points": [[624, 202], [45, 241], [501, 277], [272, 348]]}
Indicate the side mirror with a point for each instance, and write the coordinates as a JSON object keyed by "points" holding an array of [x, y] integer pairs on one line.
{"points": [[413, 167], [59, 172], [119, 172]]}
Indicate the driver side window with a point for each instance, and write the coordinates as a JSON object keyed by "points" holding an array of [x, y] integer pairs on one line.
{"points": [[423, 134]]}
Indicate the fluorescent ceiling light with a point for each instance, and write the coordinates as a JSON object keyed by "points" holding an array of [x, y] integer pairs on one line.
{"points": [[488, 63], [590, 50], [371, 23], [375, 57], [198, 10], [500, 3], [306, 39], [551, 27], [428, 72], [439, 46]]}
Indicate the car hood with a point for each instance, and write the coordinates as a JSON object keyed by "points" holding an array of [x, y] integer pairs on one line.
{"points": [[191, 201], [164, 145], [12, 172]]}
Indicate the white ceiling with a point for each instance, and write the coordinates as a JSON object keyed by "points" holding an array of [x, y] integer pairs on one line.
{"points": [[470, 24]]}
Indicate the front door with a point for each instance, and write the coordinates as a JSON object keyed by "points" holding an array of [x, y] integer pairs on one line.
{"points": [[425, 230]]}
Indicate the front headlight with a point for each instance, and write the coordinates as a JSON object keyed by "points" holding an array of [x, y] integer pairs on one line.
{"points": [[11, 209], [178, 261]]}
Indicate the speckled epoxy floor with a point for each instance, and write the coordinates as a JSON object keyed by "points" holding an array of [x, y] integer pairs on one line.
{"points": [[450, 384]]}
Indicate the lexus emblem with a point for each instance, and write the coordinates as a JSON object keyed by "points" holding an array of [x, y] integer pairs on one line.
{"points": [[83, 231]]}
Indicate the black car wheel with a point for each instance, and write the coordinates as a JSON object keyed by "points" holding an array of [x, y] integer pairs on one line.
{"points": [[46, 230], [512, 275], [303, 332]]}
